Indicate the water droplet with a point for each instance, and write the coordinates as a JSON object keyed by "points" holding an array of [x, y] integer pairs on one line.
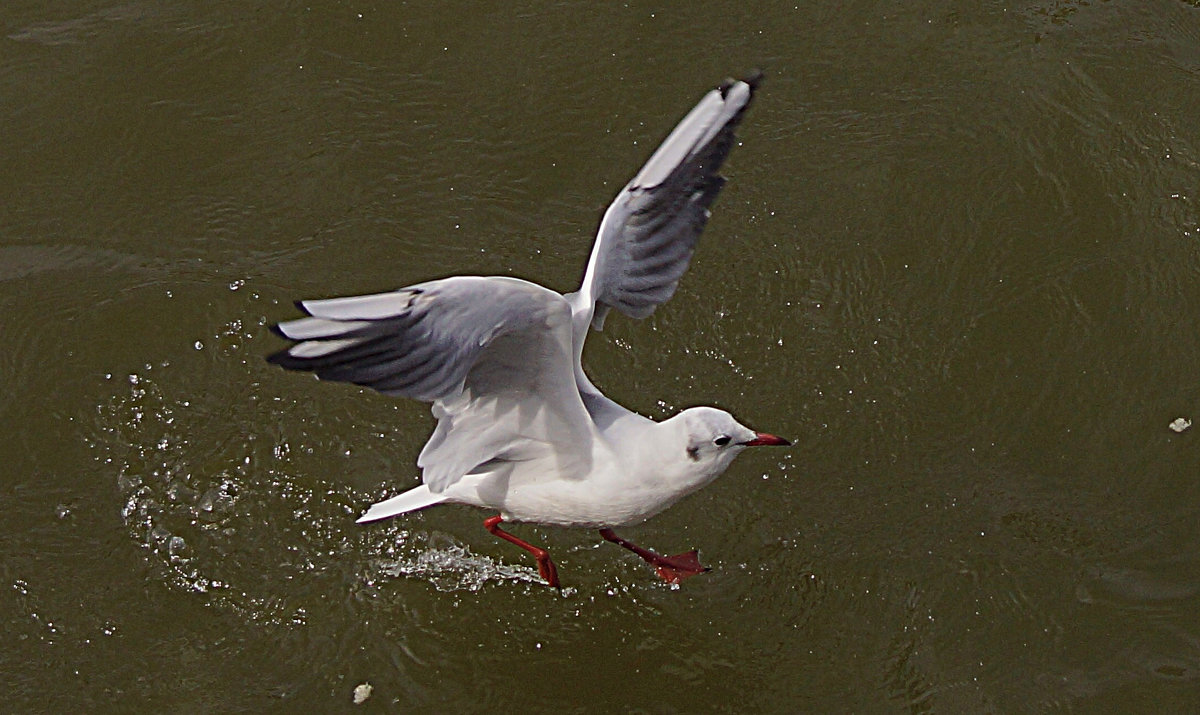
{"points": [[363, 690], [177, 547]]}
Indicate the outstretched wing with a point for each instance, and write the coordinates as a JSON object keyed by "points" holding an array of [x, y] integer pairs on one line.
{"points": [[492, 354], [648, 233]]}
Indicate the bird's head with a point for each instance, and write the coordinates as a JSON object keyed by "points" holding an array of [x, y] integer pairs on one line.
{"points": [[714, 437]]}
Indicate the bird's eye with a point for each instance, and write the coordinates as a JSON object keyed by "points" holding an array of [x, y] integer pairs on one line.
{"points": [[722, 440]]}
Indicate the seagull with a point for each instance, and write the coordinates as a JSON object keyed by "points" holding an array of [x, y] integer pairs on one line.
{"points": [[521, 430]]}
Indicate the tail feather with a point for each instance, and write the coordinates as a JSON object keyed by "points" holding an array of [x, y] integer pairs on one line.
{"points": [[411, 500]]}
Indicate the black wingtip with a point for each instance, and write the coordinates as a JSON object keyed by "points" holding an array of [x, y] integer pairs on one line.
{"points": [[753, 78], [278, 358], [281, 358]]}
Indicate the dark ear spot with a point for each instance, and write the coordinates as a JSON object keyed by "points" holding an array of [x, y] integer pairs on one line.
{"points": [[694, 452]]}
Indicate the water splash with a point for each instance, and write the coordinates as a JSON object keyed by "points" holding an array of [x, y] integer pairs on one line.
{"points": [[216, 483], [450, 566]]}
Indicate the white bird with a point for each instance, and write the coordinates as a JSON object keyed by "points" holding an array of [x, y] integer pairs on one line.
{"points": [[520, 428]]}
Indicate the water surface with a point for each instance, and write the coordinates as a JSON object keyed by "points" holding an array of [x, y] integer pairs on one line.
{"points": [[956, 261]]}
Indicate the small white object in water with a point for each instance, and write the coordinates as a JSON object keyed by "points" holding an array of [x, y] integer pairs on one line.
{"points": [[362, 691], [1180, 424]]}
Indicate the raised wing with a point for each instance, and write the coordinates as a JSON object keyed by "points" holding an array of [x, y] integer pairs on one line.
{"points": [[493, 355], [648, 233]]}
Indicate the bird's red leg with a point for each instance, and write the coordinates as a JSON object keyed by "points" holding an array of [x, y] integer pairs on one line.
{"points": [[545, 565], [671, 569]]}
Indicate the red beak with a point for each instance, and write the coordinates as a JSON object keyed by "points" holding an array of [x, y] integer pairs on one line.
{"points": [[762, 439]]}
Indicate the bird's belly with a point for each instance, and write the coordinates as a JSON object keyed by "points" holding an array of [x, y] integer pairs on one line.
{"points": [[583, 504], [612, 493], [563, 502], [558, 511]]}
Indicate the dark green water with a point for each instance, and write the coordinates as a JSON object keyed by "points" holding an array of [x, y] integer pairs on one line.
{"points": [[956, 261]]}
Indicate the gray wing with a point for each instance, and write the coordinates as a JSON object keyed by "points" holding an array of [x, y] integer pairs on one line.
{"points": [[493, 355], [648, 233]]}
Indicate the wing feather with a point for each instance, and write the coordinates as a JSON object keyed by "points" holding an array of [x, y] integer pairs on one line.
{"points": [[647, 236], [493, 355]]}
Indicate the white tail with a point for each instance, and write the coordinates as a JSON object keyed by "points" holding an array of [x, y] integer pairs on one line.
{"points": [[410, 500]]}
